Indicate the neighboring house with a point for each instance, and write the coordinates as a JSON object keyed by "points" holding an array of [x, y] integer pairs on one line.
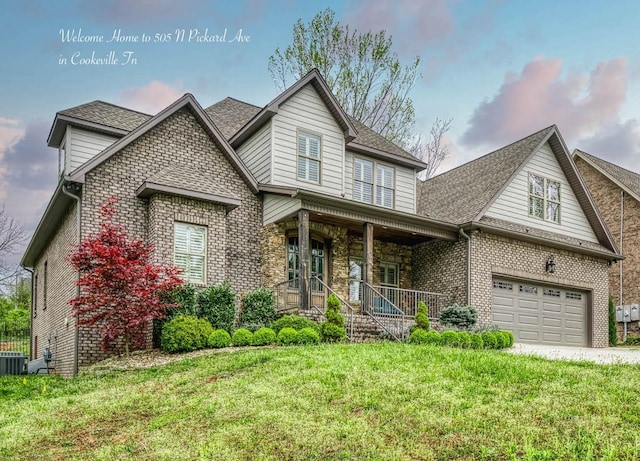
{"points": [[299, 197], [616, 192]]}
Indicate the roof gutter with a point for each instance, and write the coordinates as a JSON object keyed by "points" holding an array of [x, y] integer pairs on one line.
{"points": [[542, 241], [76, 340]]}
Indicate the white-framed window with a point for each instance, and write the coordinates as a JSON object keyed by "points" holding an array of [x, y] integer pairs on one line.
{"points": [[190, 251], [309, 158], [363, 180], [366, 186], [544, 198], [385, 185]]}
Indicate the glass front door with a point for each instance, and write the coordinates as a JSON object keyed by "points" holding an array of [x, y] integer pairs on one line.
{"points": [[318, 262]]}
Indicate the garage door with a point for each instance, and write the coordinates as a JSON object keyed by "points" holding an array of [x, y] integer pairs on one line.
{"points": [[540, 314]]}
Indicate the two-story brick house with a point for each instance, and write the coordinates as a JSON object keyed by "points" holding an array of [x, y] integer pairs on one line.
{"points": [[300, 197], [616, 192]]}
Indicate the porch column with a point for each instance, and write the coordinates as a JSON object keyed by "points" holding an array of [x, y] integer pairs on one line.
{"points": [[367, 258], [304, 256]]}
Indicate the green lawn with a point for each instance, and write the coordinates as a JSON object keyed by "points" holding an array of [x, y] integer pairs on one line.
{"points": [[382, 401]]}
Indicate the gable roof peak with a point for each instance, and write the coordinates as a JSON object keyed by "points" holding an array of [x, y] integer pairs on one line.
{"points": [[625, 179]]}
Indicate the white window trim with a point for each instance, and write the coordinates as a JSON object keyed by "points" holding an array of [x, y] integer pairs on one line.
{"points": [[62, 157], [545, 200], [310, 134], [184, 275], [373, 180], [374, 194]]}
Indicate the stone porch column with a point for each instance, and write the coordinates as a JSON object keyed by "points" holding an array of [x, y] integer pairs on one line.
{"points": [[367, 258], [304, 255]]}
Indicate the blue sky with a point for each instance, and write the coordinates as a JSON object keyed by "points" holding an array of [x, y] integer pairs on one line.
{"points": [[500, 69]]}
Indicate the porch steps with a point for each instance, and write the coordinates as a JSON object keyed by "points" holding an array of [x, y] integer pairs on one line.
{"points": [[364, 328]]}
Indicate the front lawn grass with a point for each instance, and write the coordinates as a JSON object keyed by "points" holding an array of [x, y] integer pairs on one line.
{"points": [[383, 401]]}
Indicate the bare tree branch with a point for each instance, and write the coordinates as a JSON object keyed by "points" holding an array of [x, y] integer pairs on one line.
{"points": [[11, 237], [434, 151]]}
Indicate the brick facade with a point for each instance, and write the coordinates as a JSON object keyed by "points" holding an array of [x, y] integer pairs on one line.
{"points": [[610, 202], [440, 266], [233, 237], [492, 255], [52, 313]]}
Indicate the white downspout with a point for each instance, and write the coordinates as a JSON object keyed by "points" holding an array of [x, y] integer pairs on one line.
{"points": [[624, 338], [78, 229], [468, 265], [31, 319]]}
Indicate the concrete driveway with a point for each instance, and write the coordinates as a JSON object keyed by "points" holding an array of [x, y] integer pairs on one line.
{"points": [[607, 355]]}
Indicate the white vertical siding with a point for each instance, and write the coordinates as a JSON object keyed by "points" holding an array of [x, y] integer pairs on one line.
{"points": [[276, 207], [513, 203], [83, 145], [305, 111], [256, 154], [405, 182]]}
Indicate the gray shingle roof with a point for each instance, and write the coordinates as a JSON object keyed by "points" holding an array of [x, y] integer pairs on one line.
{"points": [[230, 115], [107, 114], [367, 137], [458, 195], [178, 177], [627, 178]]}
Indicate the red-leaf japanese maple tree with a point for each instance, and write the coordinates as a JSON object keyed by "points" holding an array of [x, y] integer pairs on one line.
{"points": [[120, 289]]}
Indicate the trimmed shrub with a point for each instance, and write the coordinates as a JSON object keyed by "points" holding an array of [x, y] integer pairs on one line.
{"points": [[332, 333], [418, 336], [242, 337], [217, 304], [475, 340], [449, 338], [464, 340], [501, 339], [489, 339], [613, 325], [433, 337], [264, 336], [333, 329], [184, 333], [510, 338], [308, 336], [185, 298], [258, 309], [287, 336], [422, 317], [296, 322], [332, 313], [219, 338], [463, 317]]}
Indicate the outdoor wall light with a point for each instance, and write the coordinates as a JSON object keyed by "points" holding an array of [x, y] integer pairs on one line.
{"points": [[550, 266]]}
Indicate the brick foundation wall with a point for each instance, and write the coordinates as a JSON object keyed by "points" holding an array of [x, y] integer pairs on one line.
{"points": [[61, 288], [492, 255], [607, 197]]}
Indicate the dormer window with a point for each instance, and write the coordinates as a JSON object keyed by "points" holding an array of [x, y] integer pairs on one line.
{"points": [[544, 198], [309, 157]]}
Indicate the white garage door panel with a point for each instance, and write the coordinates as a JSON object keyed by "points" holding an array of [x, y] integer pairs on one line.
{"points": [[540, 314]]}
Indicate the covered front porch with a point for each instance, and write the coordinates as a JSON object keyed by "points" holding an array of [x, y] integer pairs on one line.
{"points": [[362, 254]]}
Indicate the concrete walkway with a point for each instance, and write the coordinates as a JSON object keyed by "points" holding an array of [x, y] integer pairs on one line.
{"points": [[607, 355]]}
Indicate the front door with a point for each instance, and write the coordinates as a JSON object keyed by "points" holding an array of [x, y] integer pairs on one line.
{"points": [[318, 262]]}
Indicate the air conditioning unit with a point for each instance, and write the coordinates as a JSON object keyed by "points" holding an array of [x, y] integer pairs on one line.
{"points": [[12, 363]]}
